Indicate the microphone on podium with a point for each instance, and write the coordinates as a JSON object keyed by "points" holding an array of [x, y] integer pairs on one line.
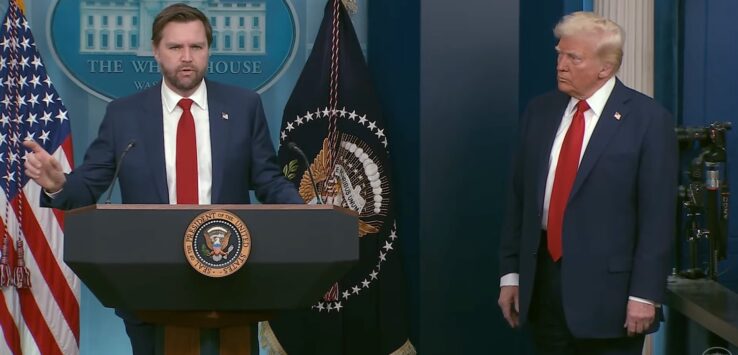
{"points": [[131, 144], [293, 147]]}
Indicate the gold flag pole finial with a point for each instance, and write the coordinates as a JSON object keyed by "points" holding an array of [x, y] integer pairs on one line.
{"points": [[21, 5], [351, 6]]}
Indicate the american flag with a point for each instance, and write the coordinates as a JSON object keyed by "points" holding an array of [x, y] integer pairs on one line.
{"points": [[40, 316]]}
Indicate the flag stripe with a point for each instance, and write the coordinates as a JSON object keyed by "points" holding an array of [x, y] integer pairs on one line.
{"points": [[59, 216], [54, 319], [30, 311], [50, 269], [65, 157], [46, 219], [45, 317], [37, 321], [49, 234], [7, 323]]}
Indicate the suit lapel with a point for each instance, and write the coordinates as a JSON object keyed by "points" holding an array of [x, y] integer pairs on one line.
{"points": [[219, 135], [607, 127], [550, 124], [152, 124]]}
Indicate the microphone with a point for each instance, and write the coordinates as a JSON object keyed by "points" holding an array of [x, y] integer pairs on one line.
{"points": [[130, 145], [293, 147]]}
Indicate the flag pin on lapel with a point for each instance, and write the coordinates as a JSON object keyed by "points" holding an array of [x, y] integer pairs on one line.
{"points": [[617, 116], [224, 115]]}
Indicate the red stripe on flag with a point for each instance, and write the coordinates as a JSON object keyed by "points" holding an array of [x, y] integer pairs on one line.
{"points": [[67, 147], [52, 292], [37, 325], [10, 331], [49, 268], [59, 215], [30, 311]]}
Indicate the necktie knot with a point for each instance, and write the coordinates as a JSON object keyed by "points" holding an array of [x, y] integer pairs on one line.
{"points": [[186, 103], [582, 106]]}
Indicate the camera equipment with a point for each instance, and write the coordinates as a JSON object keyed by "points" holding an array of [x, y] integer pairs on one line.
{"points": [[704, 199]]}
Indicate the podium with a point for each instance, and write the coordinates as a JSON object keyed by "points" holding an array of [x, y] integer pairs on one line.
{"points": [[132, 257]]}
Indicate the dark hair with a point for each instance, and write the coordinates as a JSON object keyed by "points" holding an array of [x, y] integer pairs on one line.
{"points": [[179, 13]]}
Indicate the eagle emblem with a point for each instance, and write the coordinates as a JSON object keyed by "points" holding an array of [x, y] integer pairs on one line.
{"points": [[346, 180], [216, 238], [217, 243]]}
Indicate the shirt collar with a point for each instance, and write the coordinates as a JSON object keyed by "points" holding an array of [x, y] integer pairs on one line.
{"points": [[597, 101], [171, 98]]}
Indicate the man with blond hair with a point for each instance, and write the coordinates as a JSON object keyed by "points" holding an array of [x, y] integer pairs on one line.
{"points": [[586, 246]]}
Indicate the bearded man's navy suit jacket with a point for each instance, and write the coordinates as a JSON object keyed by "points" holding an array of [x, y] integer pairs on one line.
{"points": [[618, 227], [243, 156]]}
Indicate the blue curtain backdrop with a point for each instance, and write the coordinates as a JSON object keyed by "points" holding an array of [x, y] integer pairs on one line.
{"points": [[710, 83]]}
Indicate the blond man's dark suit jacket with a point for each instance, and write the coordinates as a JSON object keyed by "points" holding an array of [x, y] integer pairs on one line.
{"points": [[618, 227]]}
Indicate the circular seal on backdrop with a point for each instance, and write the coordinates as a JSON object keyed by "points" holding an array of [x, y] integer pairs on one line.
{"points": [[217, 243], [105, 46]]}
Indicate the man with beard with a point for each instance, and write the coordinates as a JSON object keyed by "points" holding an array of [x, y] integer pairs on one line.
{"points": [[196, 142]]}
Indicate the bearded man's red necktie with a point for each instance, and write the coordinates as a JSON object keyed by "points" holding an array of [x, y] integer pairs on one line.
{"points": [[186, 161], [566, 172]]}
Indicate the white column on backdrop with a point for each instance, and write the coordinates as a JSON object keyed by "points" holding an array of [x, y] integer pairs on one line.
{"points": [[636, 17]]}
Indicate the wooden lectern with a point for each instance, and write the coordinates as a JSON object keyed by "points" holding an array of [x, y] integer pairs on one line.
{"points": [[132, 257]]}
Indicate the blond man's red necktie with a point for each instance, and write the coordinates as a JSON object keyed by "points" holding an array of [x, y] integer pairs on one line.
{"points": [[566, 172]]}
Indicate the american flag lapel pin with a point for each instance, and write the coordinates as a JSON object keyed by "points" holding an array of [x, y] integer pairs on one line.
{"points": [[617, 116], [224, 115]]}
